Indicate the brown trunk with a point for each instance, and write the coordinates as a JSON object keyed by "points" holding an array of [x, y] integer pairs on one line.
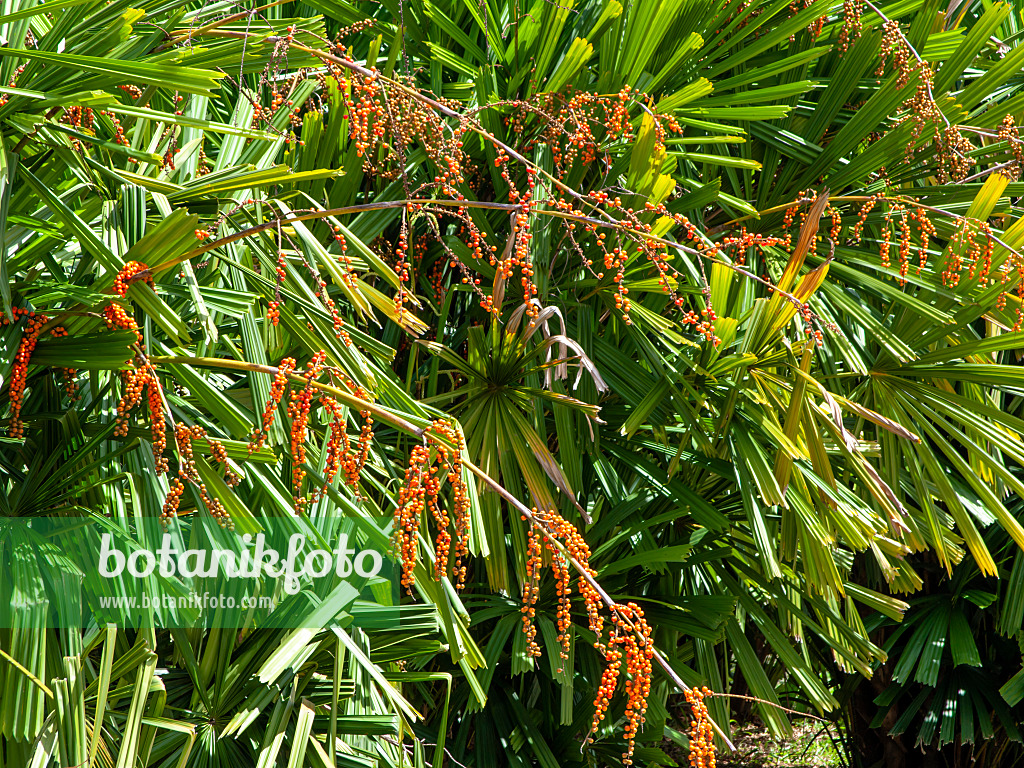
{"points": [[874, 747]]}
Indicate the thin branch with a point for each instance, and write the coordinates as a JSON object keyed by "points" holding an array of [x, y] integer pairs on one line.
{"points": [[987, 171], [769, 703], [585, 575], [921, 62], [348, 398], [898, 198], [609, 223]]}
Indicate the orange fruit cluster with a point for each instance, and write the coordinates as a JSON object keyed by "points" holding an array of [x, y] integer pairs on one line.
{"points": [[531, 590], [968, 250], [340, 455], [381, 114], [274, 306], [635, 236], [353, 466], [403, 267], [365, 111], [702, 736], [114, 313], [852, 12], [905, 225], [633, 633], [188, 473], [862, 217], [338, 445], [518, 255], [552, 527], [277, 389], [567, 123], [19, 371], [412, 499], [606, 688], [157, 421], [344, 260], [969, 255], [952, 149], [298, 412], [451, 460], [1009, 133], [68, 374], [139, 376], [321, 293], [438, 458], [172, 502], [119, 137], [629, 639]]}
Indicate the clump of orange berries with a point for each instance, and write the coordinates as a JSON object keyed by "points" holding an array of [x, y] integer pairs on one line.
{"points": [[1009, 132], [139, 375], [277, 389], [188, 473], [34, 323], [341, 457], [298, 412], [438, 458], [702, 737], [19, 372], [67, 374], [971, 247], [568, 122], [412, 499], [629, 639], [852, 28]]}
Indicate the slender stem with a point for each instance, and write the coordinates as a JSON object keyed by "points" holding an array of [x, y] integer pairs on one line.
{"points": [[585, 575], [309, 215], [228, 19], [987, 171], [990, 134], [916, 55], [989, 235], [412, 93], [609, 223], [899, 198], [769, 703], [379, 413]]}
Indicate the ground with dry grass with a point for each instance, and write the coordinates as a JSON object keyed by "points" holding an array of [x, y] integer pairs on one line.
{"points": [[811, 746]]}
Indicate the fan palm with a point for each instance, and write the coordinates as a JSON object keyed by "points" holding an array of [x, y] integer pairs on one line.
{"points": [[761, 496]]}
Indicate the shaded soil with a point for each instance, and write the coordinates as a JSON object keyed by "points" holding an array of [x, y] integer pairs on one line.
{"points": [[809, 747]]}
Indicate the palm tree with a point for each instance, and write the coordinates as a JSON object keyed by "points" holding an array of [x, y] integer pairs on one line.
{"points": [[731, 288]]}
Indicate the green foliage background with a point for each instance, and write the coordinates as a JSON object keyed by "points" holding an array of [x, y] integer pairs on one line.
{"points": [[795, 520]]}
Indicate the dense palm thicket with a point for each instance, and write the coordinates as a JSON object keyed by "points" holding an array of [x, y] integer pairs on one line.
{"points": [[705, 313]]}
